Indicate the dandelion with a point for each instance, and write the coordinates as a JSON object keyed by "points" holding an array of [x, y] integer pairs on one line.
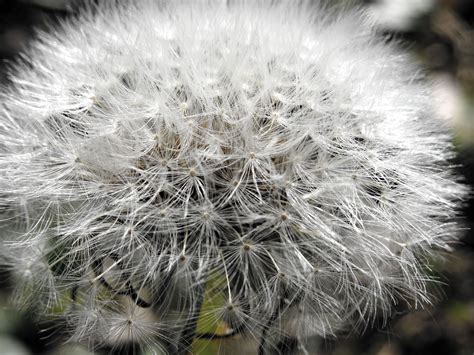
{"points": [[273, 171]]}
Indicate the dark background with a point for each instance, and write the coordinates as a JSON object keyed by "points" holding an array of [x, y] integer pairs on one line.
{"points": [[441, 37]]}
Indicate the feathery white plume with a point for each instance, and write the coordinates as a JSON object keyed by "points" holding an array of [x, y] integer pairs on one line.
{"points": [[278, 159]]}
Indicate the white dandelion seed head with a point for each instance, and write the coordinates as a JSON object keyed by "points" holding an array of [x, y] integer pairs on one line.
{"points": [[282, 154]]}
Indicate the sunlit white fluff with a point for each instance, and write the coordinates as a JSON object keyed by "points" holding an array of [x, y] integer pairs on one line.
{"points": [[279, 159]]}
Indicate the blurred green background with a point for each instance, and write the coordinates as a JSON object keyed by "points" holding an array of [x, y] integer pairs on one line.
{"points": [[440, 35]]}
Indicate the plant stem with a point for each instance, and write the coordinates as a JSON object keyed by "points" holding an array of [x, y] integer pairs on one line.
{"points": [[268, 325], [189, 330]]}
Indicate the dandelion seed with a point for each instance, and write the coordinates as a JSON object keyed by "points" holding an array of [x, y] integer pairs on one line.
{"points": [[278, 157]]}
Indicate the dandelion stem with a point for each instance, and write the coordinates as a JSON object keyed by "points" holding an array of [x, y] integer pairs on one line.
{"points": [[189, 330], [267, 326]]}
